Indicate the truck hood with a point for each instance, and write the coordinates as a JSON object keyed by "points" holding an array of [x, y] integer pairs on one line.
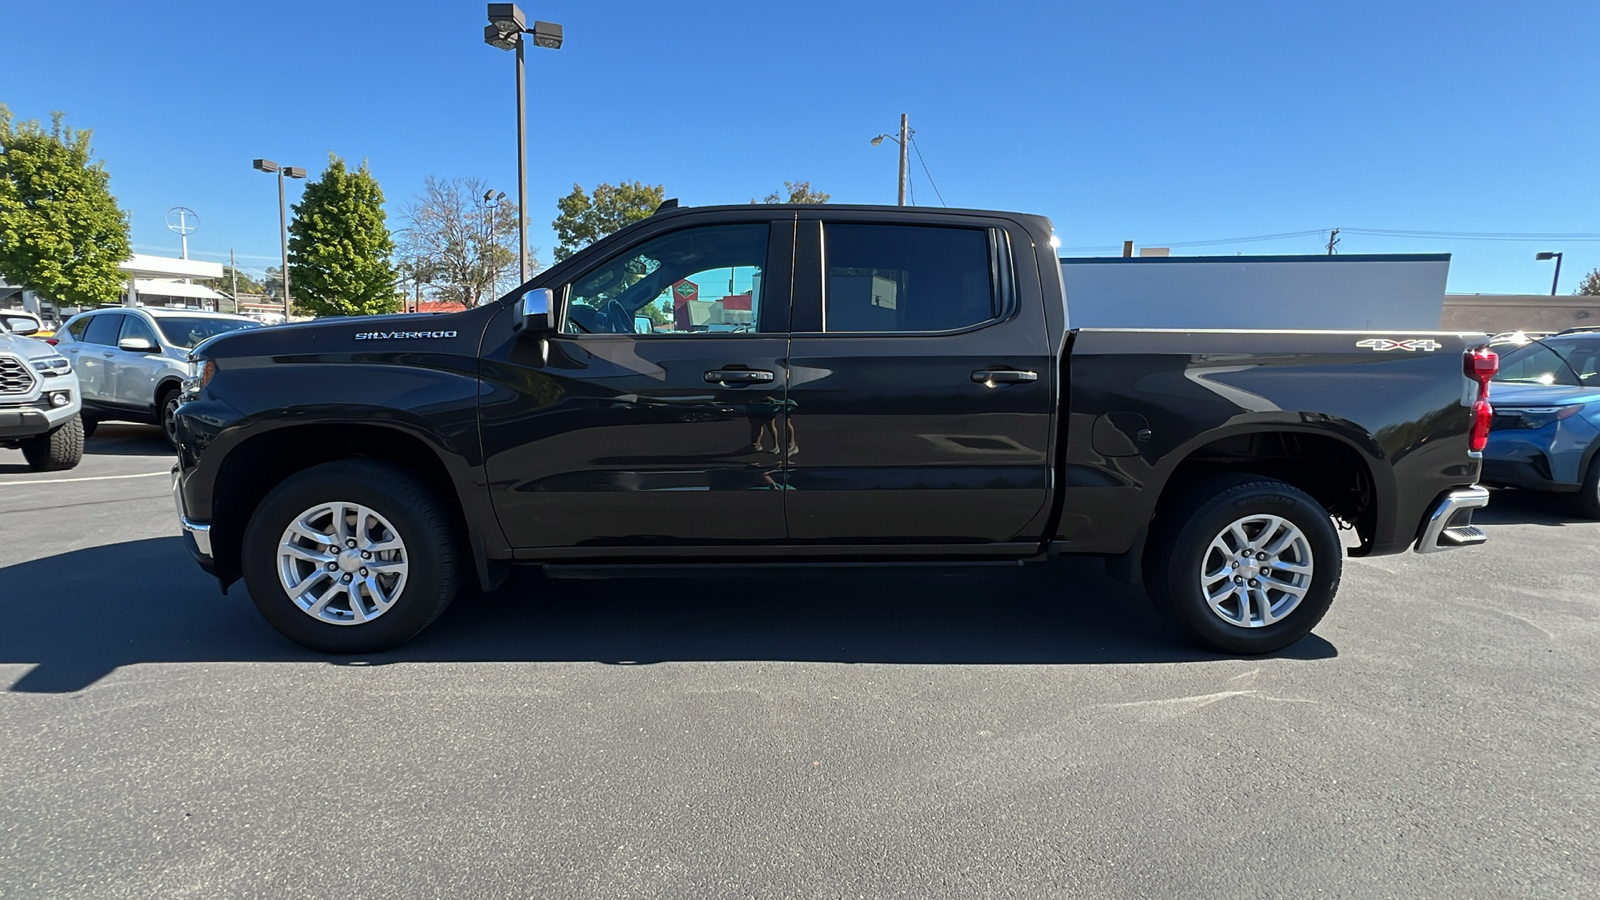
{"points": [[1509, 395], [340, 334]]}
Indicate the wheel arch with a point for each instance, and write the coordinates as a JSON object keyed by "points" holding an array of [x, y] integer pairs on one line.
{"points": [[252, 468], [1346, 478]]}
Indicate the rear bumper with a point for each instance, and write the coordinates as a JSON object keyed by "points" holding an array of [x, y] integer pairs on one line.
{"points": [[1449, 522]]}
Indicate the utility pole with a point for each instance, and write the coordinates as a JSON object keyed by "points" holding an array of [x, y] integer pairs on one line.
{"points": [[1127, 249], [905, 138], [233, 269], [1333, 241]]}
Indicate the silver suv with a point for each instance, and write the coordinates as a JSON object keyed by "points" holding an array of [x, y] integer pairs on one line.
{"points": [[39, 398], [132, 360]]}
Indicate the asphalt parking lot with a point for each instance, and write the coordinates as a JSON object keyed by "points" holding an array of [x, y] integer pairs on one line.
{"points": [[939, 733]]}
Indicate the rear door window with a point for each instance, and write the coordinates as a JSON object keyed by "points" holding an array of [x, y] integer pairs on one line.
{"points": [[103, 329], [906, 278]]}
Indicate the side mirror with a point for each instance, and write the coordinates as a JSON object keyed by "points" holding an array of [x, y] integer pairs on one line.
{"points": [[643, 325], [536, 312], [21, 327], [137, 345]]}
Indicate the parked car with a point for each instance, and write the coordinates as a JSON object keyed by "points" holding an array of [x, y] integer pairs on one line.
{"points": [[132, 361], [902, 386], [1545, 435], [23, 323], [39, 399]]}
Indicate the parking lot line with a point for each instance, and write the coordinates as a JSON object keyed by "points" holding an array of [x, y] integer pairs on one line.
{"points": [[89, 478]]}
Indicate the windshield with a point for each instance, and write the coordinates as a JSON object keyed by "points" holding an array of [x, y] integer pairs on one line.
{"points": [[1572, 361], [186, 331]]}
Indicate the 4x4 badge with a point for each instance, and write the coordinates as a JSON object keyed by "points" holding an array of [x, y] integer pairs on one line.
{"points": [[1384, 344]]}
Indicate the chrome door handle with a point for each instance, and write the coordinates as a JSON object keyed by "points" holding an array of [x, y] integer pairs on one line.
{"points": [[738, 376], [992, 377], [106, 355]]}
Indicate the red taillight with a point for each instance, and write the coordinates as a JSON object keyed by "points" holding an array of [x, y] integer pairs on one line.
{"points": [[52, 341], [1481, 365]]}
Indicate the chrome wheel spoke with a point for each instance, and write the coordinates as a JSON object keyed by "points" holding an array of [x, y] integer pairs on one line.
{"points": [[1245, 576], [342, 563]]}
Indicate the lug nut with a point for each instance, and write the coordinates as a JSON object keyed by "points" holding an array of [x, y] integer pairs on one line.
{"points": [[332, 566], [366, 555], [363, 571], [1238, 580], [346, 578], [351, 543], [1261, 556], [1265, 572], [1253, 583]]}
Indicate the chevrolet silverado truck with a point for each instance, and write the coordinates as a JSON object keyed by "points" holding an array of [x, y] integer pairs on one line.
{"points": [[810, 385]]}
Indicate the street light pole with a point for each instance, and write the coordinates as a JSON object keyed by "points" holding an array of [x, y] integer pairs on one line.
{"points": [[903, 141], [267, 165], [1556, 280], [505, 30], [905, 138]]}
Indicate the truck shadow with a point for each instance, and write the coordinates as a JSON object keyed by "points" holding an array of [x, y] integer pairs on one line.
{"points": [[79, 616]]}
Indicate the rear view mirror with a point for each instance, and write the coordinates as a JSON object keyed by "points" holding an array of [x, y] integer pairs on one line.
{"points": [[137, 345], [536, 312], [643, 325]]}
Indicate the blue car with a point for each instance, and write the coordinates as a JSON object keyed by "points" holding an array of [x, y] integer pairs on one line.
{"points": [[1546, 430]]}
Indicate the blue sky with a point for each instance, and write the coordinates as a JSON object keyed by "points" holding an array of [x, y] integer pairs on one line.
{"points": [[1161, 122]]}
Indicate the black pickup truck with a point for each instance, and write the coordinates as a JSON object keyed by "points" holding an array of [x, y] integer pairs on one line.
{"points": [[812, 385]]}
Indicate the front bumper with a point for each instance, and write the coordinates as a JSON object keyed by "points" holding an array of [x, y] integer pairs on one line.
{"points": [[1449, 523], [196, 535]]}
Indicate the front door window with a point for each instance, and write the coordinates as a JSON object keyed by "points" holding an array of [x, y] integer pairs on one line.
{"points": [[697, 281]]}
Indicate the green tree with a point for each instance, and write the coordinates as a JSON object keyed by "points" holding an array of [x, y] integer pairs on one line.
{"points": [[587, 218], [61, 232], [799, 192], [247, 284], [339, 246], [1590, 284]]}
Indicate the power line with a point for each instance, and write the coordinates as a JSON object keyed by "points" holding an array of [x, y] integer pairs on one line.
{"points": [[1479, 235], [926, 172]]}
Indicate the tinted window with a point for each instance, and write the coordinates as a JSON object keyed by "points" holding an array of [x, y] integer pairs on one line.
{"points": [[135, 327], [77, 326], [103, 328], [187, 331], [906, 278], [695, 281]]}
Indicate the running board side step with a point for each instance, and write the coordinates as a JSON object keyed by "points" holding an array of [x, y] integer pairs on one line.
{"points": [[1449, 524]]}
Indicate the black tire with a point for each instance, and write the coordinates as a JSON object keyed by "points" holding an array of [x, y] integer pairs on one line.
{"points": [[1180, 545], [1589, 494], [57, 449], [420, 517], [90, 423], [167, 403]]}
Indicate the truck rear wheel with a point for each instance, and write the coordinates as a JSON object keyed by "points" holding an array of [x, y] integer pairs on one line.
{"points": [[353, 556], [59, 448], [1244, 564]]}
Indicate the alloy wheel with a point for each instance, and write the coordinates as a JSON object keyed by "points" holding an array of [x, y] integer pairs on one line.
{"points": [[342, 563], [1256, 571]]}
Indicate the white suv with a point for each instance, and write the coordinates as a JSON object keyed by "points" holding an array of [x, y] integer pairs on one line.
{"points": [[39, 399], [133, 360]]}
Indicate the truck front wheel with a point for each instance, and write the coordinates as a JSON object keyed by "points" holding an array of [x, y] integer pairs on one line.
{"points": [[1244, 564], [353, 556]]}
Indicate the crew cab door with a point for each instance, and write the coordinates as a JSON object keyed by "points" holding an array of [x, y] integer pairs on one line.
{"points": [[652, 419], [922, 391]]}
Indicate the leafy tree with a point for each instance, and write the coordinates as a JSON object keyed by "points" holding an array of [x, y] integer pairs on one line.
{"points": [[61, 232], [272, 283], [1590, 284], [456, 246], [799, 192], [339, 246], [587, 218], [247, 284]]}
